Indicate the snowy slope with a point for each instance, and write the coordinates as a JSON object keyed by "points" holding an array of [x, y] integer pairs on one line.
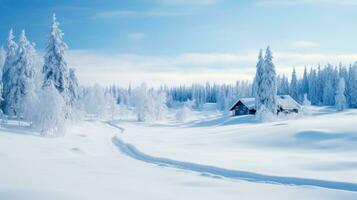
{"points": [[320, 146], [86, 164]]}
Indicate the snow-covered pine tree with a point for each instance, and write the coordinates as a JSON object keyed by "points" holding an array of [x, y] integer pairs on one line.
{"points": [[283, 85], [304, 85], [268, 88], [340, 98], [8, 76], [2, 61], [294, 89], [328, 76], [258, 80], [313, 93], [25, 73], [73, 87], [55, 67], [352, 86], [2, 58]]}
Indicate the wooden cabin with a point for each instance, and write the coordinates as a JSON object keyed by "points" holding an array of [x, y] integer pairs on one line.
{"points": [[246, 106]]}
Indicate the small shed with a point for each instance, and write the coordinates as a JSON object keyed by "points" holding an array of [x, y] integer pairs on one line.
{"points": [[246, 106]]}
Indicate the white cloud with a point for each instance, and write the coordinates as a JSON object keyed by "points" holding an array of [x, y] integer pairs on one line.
{"points": [[303, 44], [187, 68]]}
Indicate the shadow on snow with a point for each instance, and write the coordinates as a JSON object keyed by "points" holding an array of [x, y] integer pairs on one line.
{"points": [[133, 152]]}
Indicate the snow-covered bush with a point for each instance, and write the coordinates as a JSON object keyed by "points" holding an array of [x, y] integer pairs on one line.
{"points": [[112, 108], [149, 105], [265, 115], [94, 101], [48, 111], [160, 108], [306, 106], [183, 113], [97, 102]]}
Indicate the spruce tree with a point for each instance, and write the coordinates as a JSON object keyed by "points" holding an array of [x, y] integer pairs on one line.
{"points": [[8, 76], [73, 87], [304, 85], [258, 79], [352, 86], [25, 73], [268, 88], [340, 98], [55, 67], [294, 90]]}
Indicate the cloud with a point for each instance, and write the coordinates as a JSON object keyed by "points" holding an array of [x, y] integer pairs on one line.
{"points": [[303, 44], [122, 69], [133, 13]]}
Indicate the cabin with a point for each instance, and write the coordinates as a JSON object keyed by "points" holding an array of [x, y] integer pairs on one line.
{"points": [[246, 106]]}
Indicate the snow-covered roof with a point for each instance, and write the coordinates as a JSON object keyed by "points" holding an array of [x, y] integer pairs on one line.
{"points": [[287, 102], [249, 102], [284, 101]]}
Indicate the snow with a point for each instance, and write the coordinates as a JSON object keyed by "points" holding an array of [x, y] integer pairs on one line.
{"points": [[308, 147], [90, 161]]}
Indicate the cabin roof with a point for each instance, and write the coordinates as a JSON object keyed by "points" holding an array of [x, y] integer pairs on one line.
{"points": [[284, 101], [249, 102], [287, 102]]}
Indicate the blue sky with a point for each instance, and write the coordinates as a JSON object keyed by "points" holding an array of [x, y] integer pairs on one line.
{"points": [[217, 40]]}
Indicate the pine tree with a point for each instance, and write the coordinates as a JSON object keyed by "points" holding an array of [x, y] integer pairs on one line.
{"points": [[258, 80], [294, 90], [2, 58], [268, 88], [55, 67], [8, 77], [352, 86], [328, 77], [340, 98], [283, 85], [25, 74], [304, 84], [73, 87], [2, 62]]}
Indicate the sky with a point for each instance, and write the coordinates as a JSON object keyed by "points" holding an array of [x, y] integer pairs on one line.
{"points": [[184, 41]]}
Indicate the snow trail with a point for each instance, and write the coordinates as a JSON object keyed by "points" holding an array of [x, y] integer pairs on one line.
{"points": [[133, 152]]}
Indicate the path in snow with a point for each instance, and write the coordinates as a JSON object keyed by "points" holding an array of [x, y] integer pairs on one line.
{"points": [[133, 152]]}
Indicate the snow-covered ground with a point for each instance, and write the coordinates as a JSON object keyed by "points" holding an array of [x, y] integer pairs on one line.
{"points": [[95, 161]]}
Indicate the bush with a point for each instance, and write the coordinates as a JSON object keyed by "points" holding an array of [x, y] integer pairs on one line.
{"points": [[47, 112]]}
